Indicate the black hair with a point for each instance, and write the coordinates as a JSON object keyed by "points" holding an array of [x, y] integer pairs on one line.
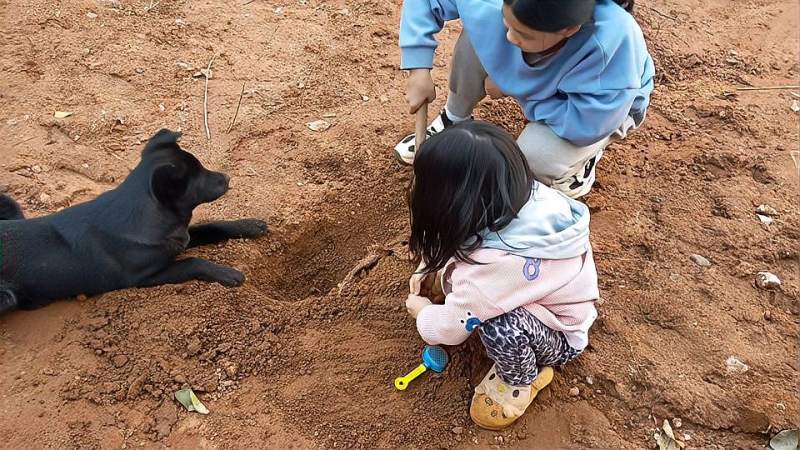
{"points": [[470, 177], [555, 15]]}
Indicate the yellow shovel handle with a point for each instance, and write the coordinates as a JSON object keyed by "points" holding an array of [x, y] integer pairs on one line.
{"points": [[401, 383]]}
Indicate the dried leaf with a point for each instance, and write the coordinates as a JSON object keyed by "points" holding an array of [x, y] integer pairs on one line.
{"points": [[766, 220], [767, 210], [734, 366], [665, 438], [62, 114], [785, 440], [318, 125]]}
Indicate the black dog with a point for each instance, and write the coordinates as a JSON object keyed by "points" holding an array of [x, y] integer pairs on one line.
{"points": [[127, 237]]}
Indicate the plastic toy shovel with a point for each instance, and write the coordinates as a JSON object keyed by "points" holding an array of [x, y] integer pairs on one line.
{"points": [[433, 357]]}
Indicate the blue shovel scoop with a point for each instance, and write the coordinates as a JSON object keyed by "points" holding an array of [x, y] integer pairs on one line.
{"points": [[433, 357]]}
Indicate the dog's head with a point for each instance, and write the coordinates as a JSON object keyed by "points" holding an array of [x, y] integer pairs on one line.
{"points": [[177, 178]]}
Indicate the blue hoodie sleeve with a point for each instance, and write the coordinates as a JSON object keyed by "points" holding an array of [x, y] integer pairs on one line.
{"points": [[595, 96], [419, 21], [586, 118]]}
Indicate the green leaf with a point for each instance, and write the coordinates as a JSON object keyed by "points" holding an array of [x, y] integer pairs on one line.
{"points": [[189, 400]]}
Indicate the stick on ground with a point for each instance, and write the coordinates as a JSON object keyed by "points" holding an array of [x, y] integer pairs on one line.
{"points": [[765, 88], [236, 114], [207, 74]]}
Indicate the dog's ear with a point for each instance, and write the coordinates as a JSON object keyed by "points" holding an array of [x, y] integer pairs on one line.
{"points": [[168, 183], [164, 138]]}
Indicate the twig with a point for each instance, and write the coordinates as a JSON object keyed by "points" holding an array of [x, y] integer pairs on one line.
{"points": [[795, 94], [24, 141], [151, 6], [268, 42], [236, 114], [248, 2], [365, 264], [664, 15], [207, 74], [766, 88]]}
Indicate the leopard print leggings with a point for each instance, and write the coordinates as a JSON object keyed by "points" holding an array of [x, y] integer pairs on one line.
{"points": [[519, 344]]}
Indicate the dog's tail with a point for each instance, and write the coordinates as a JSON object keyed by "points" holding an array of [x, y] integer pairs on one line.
{"points": [[9, 209], [8, 300]]}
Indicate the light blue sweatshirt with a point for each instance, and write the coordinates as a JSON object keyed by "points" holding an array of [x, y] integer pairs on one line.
{"points": [[549, 226], [583, 92]]}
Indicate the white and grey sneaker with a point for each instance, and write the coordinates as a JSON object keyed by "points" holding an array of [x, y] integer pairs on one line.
{"points": [[405, 150], [578, 185]]}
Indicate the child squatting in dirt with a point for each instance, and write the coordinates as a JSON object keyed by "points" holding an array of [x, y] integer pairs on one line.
{"points": [[513, 257], [579, 69]]}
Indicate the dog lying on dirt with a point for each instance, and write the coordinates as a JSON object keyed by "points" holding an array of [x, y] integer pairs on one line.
{"points": [[127, 237]]}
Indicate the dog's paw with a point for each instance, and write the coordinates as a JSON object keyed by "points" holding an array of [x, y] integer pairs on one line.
{"points": [[252, 228], [229, 277]]}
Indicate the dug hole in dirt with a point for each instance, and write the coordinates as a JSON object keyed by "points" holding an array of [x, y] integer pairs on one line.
{"points": [[304, 354]]}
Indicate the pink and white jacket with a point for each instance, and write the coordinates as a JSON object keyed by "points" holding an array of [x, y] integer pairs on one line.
{"points": [[517, 270]]}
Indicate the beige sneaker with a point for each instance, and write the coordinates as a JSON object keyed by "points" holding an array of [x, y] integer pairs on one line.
{"points": [[496, 405]]}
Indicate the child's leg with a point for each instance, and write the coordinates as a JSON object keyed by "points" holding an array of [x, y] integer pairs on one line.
{"points": [[560, 164], [467, 78], [519, 344]]}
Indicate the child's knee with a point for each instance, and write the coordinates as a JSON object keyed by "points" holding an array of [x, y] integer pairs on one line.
{"points": [[502, 333]]}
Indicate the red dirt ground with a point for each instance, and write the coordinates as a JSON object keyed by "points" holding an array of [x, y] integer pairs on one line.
{"points": [[287, 361]]}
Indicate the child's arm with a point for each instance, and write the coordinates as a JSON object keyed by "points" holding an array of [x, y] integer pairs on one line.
{"points": [[598, 95], [419, 21], [484, 291], [586, 118]]}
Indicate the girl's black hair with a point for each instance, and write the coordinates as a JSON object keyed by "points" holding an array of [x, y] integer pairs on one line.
{"points": [[468, 178], [555, 15]]}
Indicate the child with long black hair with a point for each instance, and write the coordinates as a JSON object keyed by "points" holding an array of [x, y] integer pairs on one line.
{"points": [[514, 260], [579, 69]]}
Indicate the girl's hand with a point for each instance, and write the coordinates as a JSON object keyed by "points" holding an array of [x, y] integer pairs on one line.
{"points": [[492, 90], [416, 280], [415, 303], [420, 89]]}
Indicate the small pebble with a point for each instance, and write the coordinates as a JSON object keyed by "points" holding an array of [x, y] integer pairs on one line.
{"points": [[180, 379], [119, 360], [458, 430], [91, 15], [767, 280], [700, 260], [574, 392], [232, 370], [676, 422], [589, 380]]}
